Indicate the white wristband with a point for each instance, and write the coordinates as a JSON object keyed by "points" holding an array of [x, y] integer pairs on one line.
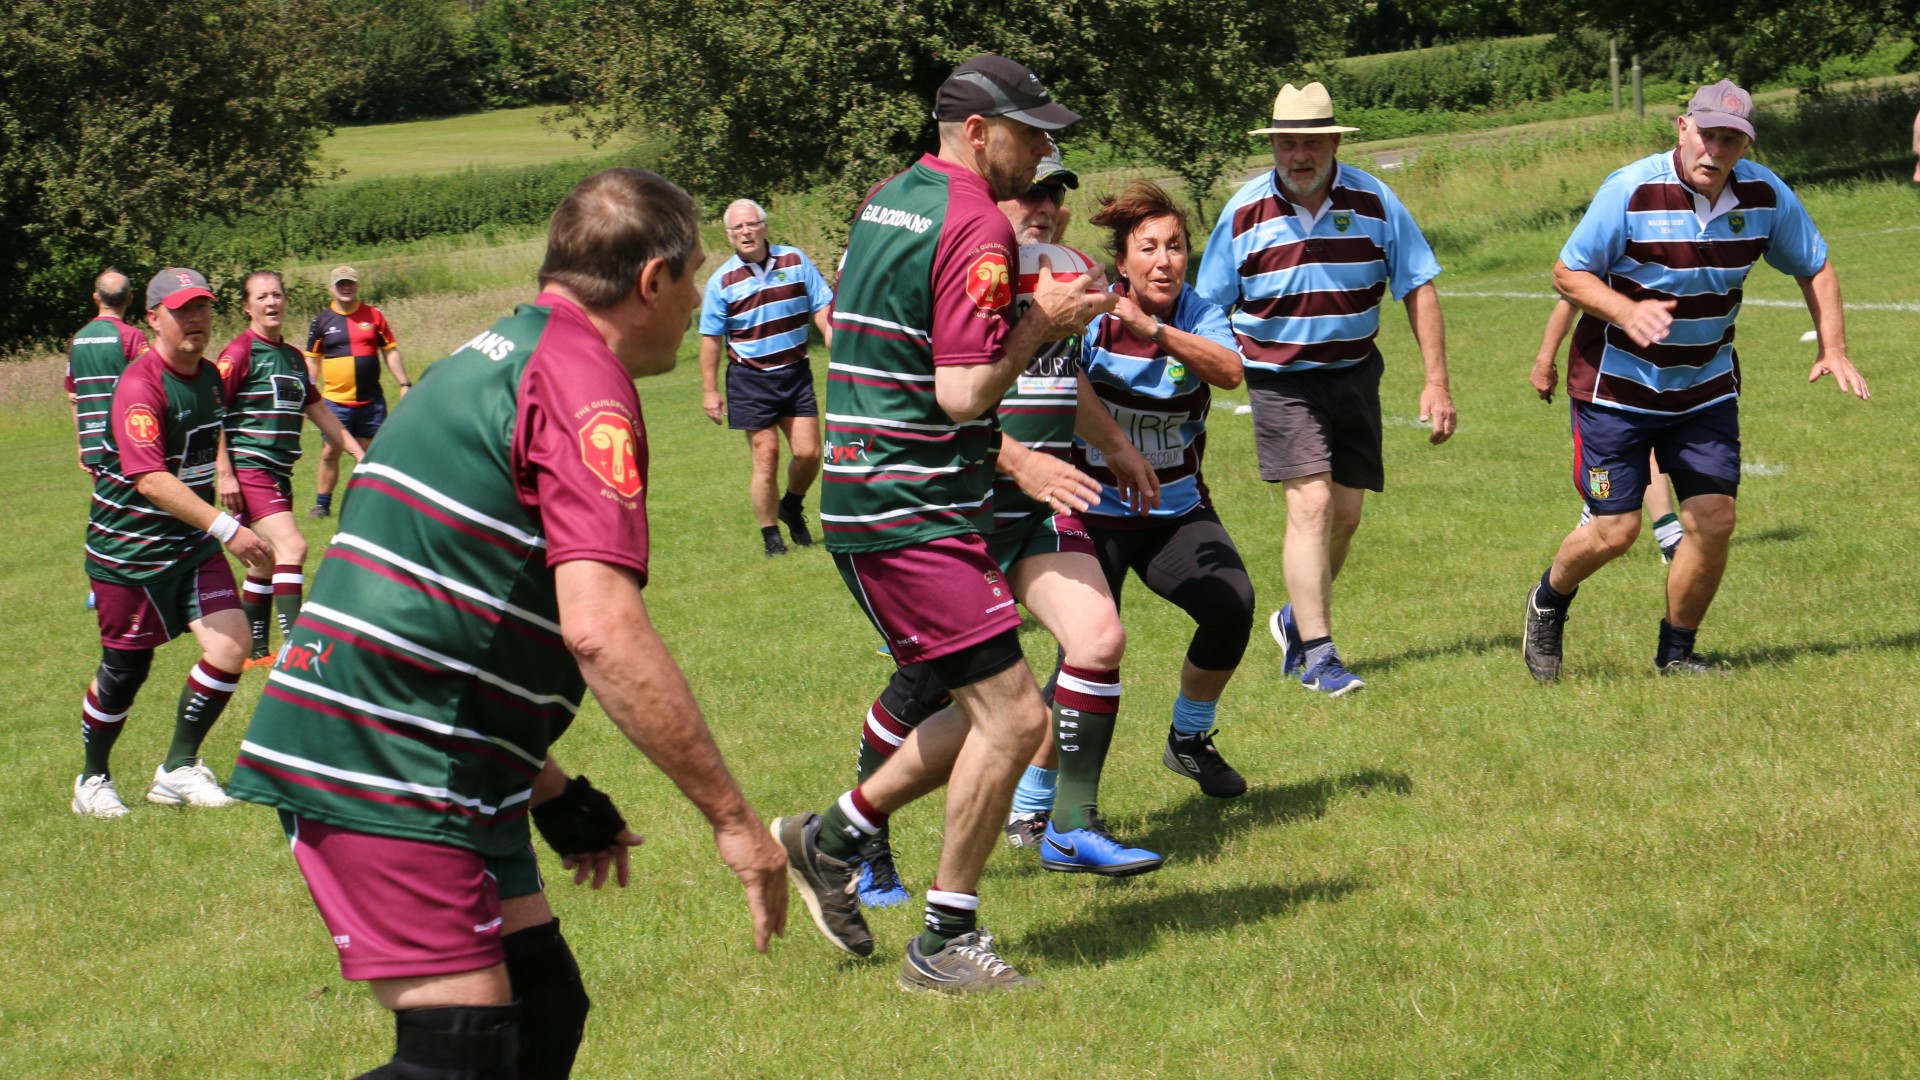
{"points": [[223, 527]]}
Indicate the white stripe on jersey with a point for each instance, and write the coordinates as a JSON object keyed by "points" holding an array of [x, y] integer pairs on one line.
{"points": [[370, 780], [393, 558], [368, 707], [452, 504]]}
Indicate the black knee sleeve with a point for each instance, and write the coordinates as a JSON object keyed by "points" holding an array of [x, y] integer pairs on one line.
{"points": [[453, 1042], [122, 671], [980, 663], [915, 693], [1687, 484], [553, 1003], [1220, 639]]}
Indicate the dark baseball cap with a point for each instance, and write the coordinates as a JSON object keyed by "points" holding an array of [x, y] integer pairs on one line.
{"points": [[996, 86], [174, 286], [1052, 171], [1723, 105]]}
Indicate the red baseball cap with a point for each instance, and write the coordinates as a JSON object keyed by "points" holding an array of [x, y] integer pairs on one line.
{"points": [[174, 286]]}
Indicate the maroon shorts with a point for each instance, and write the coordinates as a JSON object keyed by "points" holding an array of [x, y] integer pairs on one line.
{"points": [[934, 599], [148, 616], [266, 493], [399, 908]]}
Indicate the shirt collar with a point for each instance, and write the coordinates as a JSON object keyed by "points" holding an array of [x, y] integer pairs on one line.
{"points": [[1703, 211], [1300, 213]]}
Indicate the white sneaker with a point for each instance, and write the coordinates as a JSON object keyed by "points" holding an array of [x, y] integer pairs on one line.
{"points": [[188, 785], [94, 796]]}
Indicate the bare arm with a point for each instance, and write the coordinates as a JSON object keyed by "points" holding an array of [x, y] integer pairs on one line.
{"points": [[1430, 331], [399, 370], [332, 430], [710, 400], [1138, 484], [1545, 375], [823, 321], [164, 490], [1060, 310], [1213, 362], [603, 619], [226, 486], [1645, 321], [1822, 292]]}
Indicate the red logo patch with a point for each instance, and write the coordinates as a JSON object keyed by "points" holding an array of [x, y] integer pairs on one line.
{"points": [[142, 426], [988, 282], [607, 447], [186, 280], [1731, 103], [225, 365]]}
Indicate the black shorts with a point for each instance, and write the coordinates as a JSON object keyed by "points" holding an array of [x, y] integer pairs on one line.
{"points": [[1191, 561], [1311, 422], [758, 400]]}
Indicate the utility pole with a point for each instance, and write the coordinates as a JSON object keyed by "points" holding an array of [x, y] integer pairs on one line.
{"points": [[1639, 100], [1613, 69]]}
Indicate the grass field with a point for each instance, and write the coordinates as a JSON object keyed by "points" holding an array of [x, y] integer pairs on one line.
{"points": [[502, 137], [1455, 872]]}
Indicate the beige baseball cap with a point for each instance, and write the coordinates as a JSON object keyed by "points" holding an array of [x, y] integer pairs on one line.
{"points": [[343, 273]]}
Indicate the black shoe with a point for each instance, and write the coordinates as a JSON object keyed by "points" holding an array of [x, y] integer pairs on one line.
{"points": [[825, 883], [775, 546], [319, 511], [795, 519], [1026, 830], [1541, 647], [1194, 757]]}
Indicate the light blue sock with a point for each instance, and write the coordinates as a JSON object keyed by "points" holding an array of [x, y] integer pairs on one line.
{"points": [[1192, 717], [1035, 793]]}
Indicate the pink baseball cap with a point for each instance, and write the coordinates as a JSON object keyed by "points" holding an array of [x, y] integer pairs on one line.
{"points": [[1723, 105]]}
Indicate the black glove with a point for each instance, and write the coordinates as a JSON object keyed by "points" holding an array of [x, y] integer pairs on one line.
{"points": [[579, 820]]}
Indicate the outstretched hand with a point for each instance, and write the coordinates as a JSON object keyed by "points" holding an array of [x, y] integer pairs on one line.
{"points": [[761, 864], [1845, 375], [599, 863]]}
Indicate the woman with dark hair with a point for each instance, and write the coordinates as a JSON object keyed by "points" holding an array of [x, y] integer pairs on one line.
{"points": [[1151, 365]]}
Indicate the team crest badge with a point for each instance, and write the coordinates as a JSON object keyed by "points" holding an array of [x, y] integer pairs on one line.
{"points": [[1176, 371], [1342, 220], [1599, 483], [1737, 222], [993, 582], [607, 448], [225, 365], [988, 282], [143, 427]]}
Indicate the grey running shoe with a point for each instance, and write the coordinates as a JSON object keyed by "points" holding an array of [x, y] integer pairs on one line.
{"points": [[1689, 664], [1025, 830], [319, 512], [1194, 757], [1541, 647], [825, 883], [967, 965]]}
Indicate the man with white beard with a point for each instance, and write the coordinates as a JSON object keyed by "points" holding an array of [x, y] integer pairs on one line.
{"points": [[1301, 257]]}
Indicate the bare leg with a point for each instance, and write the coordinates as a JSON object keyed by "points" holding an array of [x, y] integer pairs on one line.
{"points": [[1200, 684], [803, 450], [762, 489], [1698, 565], [1659, 498], [1006, 720], [1592, 546], [1067, 592], [329, 471], [1306, 555], [224, 639], [1347, 504]]}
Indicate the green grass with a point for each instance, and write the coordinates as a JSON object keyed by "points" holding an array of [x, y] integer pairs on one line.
{"points": [[1456, 872], [503, 137]]}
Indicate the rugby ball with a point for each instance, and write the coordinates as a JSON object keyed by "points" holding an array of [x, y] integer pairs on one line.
{"points": [[1067, 264]]}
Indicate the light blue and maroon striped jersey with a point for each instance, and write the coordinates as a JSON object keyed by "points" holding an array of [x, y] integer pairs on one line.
{"points": [[1159, 404], [1650, 236], [426, 677], [1305, 290], [763, 310]]}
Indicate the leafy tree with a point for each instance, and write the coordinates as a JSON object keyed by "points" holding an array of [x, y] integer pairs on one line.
{"points": [[415, 58], [754, 97], [121, 118]]}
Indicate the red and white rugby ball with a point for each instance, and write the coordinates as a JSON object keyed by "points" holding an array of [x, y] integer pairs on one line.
{"points": [[1066, 263]]}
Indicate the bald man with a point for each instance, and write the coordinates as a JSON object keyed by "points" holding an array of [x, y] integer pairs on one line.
{"points": [[756, 311], [100, 352]]}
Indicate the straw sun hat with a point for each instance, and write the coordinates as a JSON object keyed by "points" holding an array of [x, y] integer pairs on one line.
{"points": [[1298, 111]]}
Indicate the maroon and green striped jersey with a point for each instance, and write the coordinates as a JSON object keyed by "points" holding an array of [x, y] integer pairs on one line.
{"points": [[267, 390], [426, 677], [927, 281], [161, 421], [100, 352]]}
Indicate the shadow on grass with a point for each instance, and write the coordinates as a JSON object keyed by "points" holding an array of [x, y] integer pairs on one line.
{"points": [[1779, 534], [1767, 655], [1199, 827], [1132, 927], [1473, 646]]}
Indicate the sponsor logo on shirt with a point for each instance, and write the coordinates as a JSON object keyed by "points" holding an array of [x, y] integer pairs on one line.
{"points": [[607, 448], [841, 453], [310, 657], [896, 219], [988, 282], [143, 427]]}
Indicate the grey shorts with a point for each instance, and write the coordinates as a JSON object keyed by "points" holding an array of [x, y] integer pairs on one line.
{"points": [[1314, 422]]}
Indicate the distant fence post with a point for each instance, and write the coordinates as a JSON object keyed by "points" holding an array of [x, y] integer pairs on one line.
{"points": [[1613, 69], [1639, 100]]}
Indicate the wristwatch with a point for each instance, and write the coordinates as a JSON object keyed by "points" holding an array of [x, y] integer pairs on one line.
{"points": [[1157, 327]]}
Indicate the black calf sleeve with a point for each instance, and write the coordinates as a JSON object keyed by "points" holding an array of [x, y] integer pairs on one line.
{"points": [[453, 1042], [553, 1003], [914, 693], [121, 674]]}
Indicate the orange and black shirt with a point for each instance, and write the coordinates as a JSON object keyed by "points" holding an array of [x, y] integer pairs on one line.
{"points": [[348, 346]]}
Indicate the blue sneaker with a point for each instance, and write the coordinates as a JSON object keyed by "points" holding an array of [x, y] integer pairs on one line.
{"points": [[879, 883], [1093, 850], [1330, 677], [1282, 627]]}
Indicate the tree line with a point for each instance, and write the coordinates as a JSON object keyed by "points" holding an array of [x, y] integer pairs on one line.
{"points": [[123, 122]]}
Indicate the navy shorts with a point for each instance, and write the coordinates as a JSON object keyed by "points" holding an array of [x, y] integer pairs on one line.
{"points": [[361, 421], [1610, 448], [758, 400]]}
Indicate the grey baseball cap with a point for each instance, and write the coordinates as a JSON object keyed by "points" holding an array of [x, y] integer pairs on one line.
{"points": [[1723, 105], [174, 286]]}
